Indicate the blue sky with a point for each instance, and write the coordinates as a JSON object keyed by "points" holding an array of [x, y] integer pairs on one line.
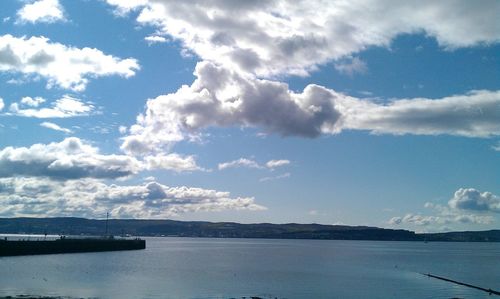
{"points": [[372, 113]]}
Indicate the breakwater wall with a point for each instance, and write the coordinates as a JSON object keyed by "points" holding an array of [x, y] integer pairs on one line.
{"points": [[21, 247]]}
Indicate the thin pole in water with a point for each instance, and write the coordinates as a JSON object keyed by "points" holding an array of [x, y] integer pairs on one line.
{"points": [[490, 291]]}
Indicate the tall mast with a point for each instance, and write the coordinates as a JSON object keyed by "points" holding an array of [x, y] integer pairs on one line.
{"points": [[107, 216]]}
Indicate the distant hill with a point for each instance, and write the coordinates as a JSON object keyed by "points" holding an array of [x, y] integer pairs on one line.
{"points": [[82, 226], [469, 236]]}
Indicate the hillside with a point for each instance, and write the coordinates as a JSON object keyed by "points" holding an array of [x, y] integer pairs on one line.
{"points": [[81, 226]]}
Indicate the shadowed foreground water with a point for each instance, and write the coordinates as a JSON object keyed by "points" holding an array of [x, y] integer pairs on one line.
{"points": [[236, 268]]}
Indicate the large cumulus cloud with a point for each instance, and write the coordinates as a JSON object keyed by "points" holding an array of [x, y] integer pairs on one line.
{"points": [[245, 46], [222, 97], [470, 199], [269, 38]]}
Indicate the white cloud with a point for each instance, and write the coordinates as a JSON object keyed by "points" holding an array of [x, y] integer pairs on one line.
{"points": [[277, 163], [351, 67], [473, 200], [474, 114], [495, 147], [69, 159], [248, 163], [122, 129], [467, 206], [74, 158], [220, 97], [41, 11], [62, 66], [269, 38], [125, 6], [417, 220], [450, 219], [240, 42], [474, 219], [241, 162], [32, 102], [153, 39], [173, 162], [18, 81], [55, 127], [278, 177], [223, 98], [395, 220], [1, 104], [66, 106], [91, 198]]}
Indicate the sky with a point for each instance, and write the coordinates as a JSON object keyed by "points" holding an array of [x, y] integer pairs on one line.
{"points": [[379, 113]]}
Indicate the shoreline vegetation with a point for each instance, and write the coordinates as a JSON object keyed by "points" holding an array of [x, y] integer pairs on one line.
{"points": [[171, 228]]}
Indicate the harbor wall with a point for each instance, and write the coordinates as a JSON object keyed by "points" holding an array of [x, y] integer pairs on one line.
{"points": [[20, 247]]}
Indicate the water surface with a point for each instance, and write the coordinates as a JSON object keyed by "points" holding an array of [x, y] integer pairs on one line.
{"points": [[233, 268]]}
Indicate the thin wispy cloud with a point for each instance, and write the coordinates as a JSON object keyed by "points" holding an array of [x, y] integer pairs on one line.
{"points": [[249, 163], [66, 106], [55, 127], [173, 161], [277, 177], [277, 163], [155, 39], [242, 162], [351, 67]]}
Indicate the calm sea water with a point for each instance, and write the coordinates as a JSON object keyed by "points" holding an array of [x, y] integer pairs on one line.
{"points": [[233, 268]]}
